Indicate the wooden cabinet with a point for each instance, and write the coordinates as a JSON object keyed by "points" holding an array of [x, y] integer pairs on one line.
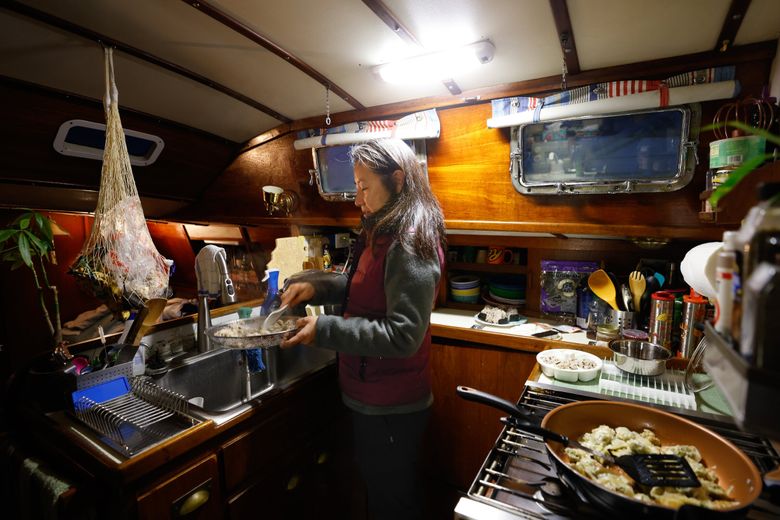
{"points": [[295, 463], [191, 492], [462, 432]]}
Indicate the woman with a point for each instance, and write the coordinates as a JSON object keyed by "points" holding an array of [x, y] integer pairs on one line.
{"points": [[384, 337]]}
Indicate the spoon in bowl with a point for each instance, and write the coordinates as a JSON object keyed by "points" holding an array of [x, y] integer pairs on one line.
{"points": [[272, 318]]}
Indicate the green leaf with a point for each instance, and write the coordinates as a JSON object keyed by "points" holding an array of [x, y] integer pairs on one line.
{"points": [[44, 225], [41, 247], [5, 234], [24, 250], [24, 221], [11, 256], [736, 177], [16, 265]]}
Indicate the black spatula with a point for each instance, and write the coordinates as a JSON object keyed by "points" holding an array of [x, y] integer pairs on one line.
{"points": [[646, 469]]}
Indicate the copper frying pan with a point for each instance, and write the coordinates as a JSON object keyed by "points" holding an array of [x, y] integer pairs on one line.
{"points": [[736, 472]]}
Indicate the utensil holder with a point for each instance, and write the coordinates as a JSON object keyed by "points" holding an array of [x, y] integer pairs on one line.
{"points": [[622, 319]]}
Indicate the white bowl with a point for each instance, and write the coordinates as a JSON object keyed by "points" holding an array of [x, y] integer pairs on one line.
{"points": [[547, 358]]}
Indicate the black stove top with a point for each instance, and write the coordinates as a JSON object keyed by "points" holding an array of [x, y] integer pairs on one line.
{"points": [[518, 478]]}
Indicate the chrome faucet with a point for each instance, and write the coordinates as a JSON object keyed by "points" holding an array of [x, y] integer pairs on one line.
{"points": [[214, 282]]}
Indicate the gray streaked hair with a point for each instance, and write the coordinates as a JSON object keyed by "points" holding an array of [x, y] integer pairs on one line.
{"points": [[415, 207]]}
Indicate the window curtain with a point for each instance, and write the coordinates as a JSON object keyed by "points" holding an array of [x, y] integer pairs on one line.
{"points": [[617, 96], [420, 125]]}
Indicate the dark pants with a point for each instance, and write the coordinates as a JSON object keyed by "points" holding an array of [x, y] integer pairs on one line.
{"points": [[387, 449]]}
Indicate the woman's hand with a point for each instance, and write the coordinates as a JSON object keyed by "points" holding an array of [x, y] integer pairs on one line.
{"points": [[297, 292], [306, 335]]}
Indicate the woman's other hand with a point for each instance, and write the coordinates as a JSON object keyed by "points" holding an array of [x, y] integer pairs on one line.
{"points": [[297, 292], [306, 335]]}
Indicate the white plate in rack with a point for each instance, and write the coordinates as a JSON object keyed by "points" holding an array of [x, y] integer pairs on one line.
{"points": [[510, 324]]}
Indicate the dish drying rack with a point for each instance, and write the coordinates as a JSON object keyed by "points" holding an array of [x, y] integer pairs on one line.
{"points": [[137, 420], [667, 389]]}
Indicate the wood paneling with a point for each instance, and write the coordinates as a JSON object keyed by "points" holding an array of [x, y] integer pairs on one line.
{"points": [[461, 433], [468, 167]]}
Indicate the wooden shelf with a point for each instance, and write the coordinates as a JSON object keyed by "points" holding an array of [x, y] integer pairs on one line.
{"points": [[733, 207], [487, 268]]}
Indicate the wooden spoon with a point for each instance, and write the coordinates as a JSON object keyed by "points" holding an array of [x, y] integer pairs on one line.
{"points": [[602, 286], [637, 283], [154, 308]]}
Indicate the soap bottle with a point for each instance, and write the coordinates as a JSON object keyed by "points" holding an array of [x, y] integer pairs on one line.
{"points": [[725, 271]]}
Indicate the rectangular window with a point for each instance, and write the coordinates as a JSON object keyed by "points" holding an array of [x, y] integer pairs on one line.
{"points": [[622, 153]]}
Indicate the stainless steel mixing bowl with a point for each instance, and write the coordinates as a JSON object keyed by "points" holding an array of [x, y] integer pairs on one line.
{"points": [[639, 357]]}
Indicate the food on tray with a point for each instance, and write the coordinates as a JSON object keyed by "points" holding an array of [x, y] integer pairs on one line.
{"points": [[568, 361], [622, 441], [239, 329], [498, 315]]}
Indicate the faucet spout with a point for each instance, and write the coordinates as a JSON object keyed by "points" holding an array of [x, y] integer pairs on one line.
{"points": [[214, 282]]}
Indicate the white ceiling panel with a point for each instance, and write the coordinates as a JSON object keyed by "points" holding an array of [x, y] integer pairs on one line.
{"points": [[342, 40], [761, 23], [616, 32], [32, 52]]}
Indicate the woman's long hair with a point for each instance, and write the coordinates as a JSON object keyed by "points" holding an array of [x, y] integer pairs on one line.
{"points": [[412, 216]]}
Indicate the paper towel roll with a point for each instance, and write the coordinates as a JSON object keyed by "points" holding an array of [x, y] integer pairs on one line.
{"points": [[698, 268]]}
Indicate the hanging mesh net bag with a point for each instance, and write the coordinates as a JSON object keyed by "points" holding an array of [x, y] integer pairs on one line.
{"points": [[119, 263]]}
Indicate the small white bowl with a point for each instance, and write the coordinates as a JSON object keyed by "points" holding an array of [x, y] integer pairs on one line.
{"points": [[546, 361]]}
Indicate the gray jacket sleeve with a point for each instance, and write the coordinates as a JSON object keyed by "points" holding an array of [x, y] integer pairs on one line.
{"points": [[410, 286]]}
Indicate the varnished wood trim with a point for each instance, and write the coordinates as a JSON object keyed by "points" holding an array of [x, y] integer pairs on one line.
{"points": [[89, 34], [395, 25], [246, 31], [731, 24], [616, 230], [560, 13]]}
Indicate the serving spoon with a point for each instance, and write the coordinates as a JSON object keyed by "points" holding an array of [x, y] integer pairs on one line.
{"points": [[273, 317], [602, 286]]}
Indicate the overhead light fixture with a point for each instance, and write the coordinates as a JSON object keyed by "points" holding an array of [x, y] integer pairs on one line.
{"points": [[437, 66]]}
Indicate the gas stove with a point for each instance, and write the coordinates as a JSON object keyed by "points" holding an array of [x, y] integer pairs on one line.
{"points": [[518, 481]]}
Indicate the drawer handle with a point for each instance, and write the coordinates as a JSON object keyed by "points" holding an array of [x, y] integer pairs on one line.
{"points": [[195, 500]]}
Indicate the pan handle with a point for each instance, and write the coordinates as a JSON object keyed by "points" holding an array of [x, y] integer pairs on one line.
{"points": [[478, 396]]}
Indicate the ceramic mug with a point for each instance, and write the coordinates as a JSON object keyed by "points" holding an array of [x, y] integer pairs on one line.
{"points": [[481, 256], [499, 255]]}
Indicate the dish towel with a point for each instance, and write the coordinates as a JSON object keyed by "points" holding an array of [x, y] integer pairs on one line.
{"points": [[254, 359]]}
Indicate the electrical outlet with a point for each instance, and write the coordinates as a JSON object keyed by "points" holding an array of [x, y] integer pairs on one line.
{"points": [[341, 240]]}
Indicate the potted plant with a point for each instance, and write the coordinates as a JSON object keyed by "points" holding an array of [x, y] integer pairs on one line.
{"points": [[29, 242]]}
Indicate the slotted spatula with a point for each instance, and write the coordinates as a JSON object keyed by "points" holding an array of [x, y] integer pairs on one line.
{"points": [[646, 469]]}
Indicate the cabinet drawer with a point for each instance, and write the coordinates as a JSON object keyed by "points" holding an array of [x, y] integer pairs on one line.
{"points": [[256, 451], [193, 493]]}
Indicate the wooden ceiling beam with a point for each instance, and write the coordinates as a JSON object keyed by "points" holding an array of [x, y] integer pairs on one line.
{"points": [[248, 32], [731, 24], [395, 25], [563, 26], [89, 34], [384, 14]]}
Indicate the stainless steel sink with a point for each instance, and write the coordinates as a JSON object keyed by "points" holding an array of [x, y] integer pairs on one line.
{"points": [[217, 384]]}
